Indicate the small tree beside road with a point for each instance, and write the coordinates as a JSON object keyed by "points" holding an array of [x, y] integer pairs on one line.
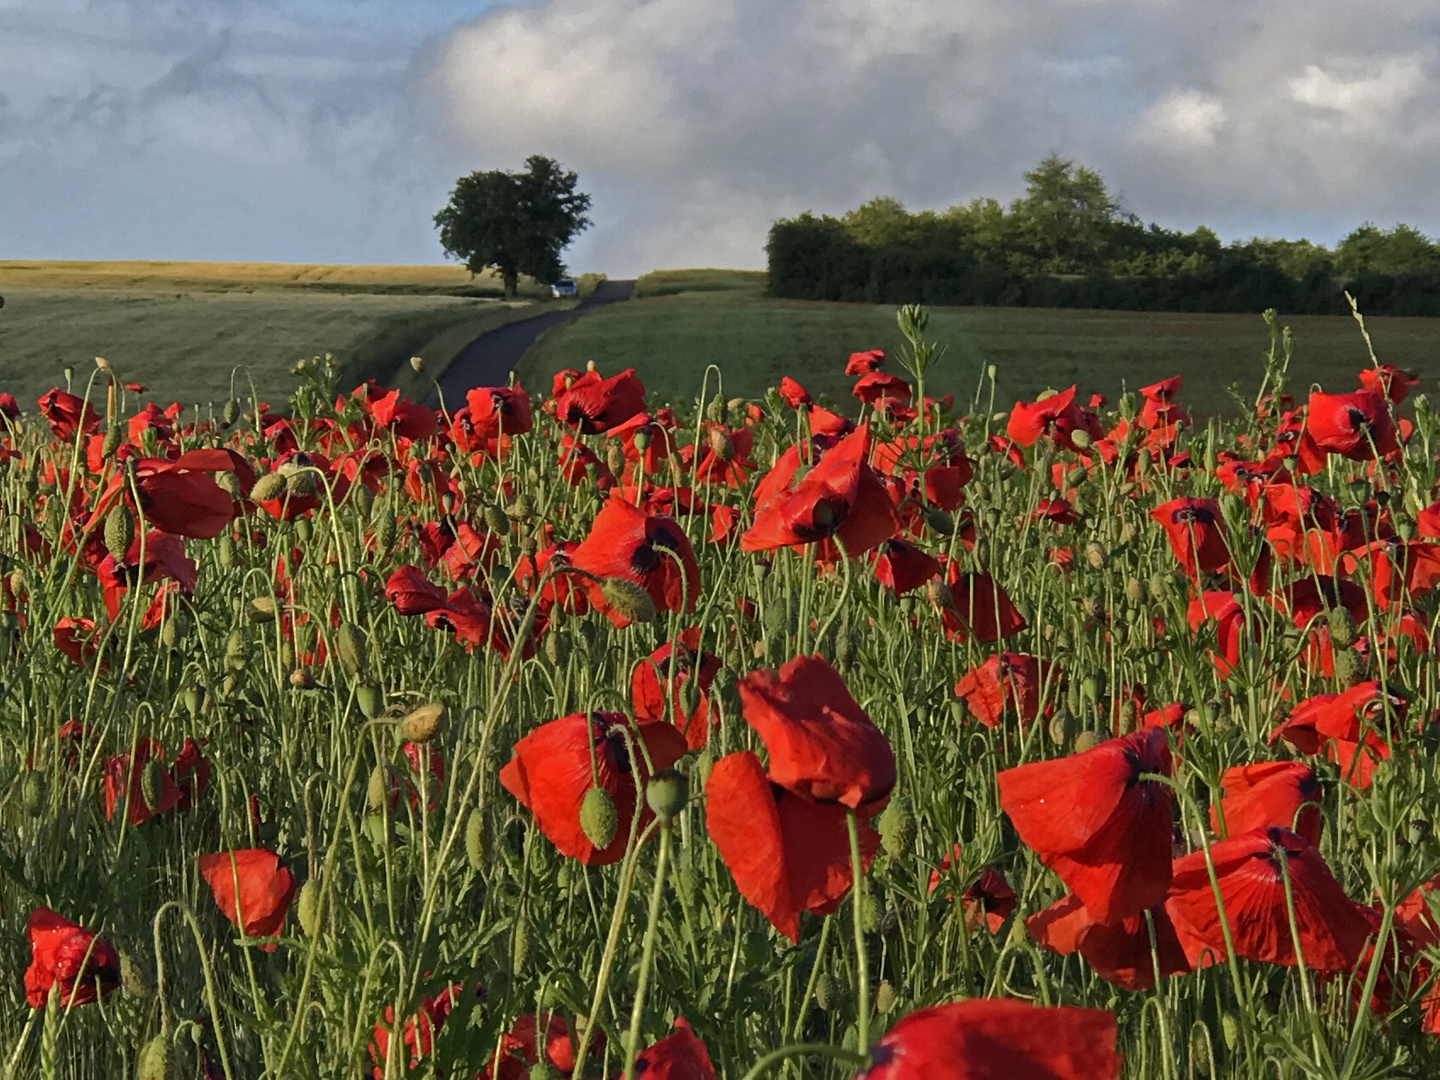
{"points": [[516, 222]]}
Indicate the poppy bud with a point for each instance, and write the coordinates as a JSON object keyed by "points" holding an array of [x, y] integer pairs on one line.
{"points": [[422, 724], [939, 594], [557, 648], [475, 839], [230, 413], [158, 1061], [1062, 726], [262, 609], [715, 411], [703, 764], [519, 944], [1143, 461], [33, 792], [1095, 555], [528, 547], [885, 995], [119, 531], [825, 992], [301, 679], [1134, 590], [237, 651], [381, 788], [495, 520], [386, 533], [523, 508], [615, 457], [152, 783], [367, 696], [666, 794], [720, 445], [1160, 586], [226, 552], [598, 819], [299, 480], [270, 486], [350, 645], [174, 629], [1081, 438], [869, 912], [628, 599], [897, 827], [417, 364], [940, 523], [1349, 667], [1342, 627], [642, 439], [1086, 740], [307, 908], [543, 1070], [304, 530], [133, 978], [191, 697]]}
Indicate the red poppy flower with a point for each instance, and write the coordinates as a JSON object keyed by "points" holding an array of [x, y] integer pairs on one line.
{"points": [[978, 608], [997, 1039], [420, 1029], [1057, 416], [497, 410], [1248, 871], [821, 743], [164, 560], [9, 406], [551, 772], [726, 459], [786, 853], [841, 498], [1417, 916], [83, 965], [1357, 426], [878, 387], [594, 405], [1096, 824], [650, 550], [1400, 572], [1346, 727], [793, 394], [863, 363], [191, 774], [180, 500], [266, 888], [67, 414], [562, 590], [1196, 532], [1119, 954], [1393, 382], [1283, 793], [679, 1056], [75, 637], [1229, 618], [557, 1040], [1316, 594], [900, 566], [989, 900], [684, 676], [124, 784], [412, 592], [1010, 679]]}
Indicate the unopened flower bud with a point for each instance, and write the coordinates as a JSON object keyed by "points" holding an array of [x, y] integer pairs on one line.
{"points": [[598, 818], [262, 609], [417, 365], [422, 724], [939, 594], [270, 486], [152, 784], [301, 679], [475, 839], [628, 599], [897, 827], [307, 908], [367, 696], [720, 444], [119, 531], [351, 647], [939, 521], [666, 794]]}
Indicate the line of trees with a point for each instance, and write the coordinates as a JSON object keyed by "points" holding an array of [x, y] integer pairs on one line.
{"points": [[1069, 243]]}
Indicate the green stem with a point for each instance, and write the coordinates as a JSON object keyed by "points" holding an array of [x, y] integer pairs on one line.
{"points": [[647, 955], [850, 1057], [857, 903]]}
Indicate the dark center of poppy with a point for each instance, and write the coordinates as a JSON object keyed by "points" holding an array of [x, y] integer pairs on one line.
{"points": [[1196, 515], [644, 559]]}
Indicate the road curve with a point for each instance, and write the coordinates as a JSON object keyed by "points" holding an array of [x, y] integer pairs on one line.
{"points": [[489, 359]]}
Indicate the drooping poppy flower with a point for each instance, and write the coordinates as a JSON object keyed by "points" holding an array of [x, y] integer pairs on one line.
{"points": [[863, 363], [1248, 870], [551, 772], [1229, 617], [266, 888], [1057, 416], [81, 964], [1196, 532], [124, 784], [787, 854], [726, 459], [75, 637], [988, 900], [406, 418], [594, 405], [412, 592], [978, 608], [1314, 595], [648, 549], [793, 394], [1091, 819], [67, 414], [997, 1039], [1356, 426], [1346, 727], [821, 743], [419, 1033], [497, 410], [164, 560], [1283, 793], [1009, 679], [683, 676], [1400, 572], [900, 566], [1121, 953], [841, 498], [678, 1056], [878, 386]]}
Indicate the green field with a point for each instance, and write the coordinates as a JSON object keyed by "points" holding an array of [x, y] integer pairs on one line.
{"points": [[182, 329], [684, 320]]}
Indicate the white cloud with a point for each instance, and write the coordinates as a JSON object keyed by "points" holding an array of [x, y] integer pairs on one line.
{"points": [[1185, 119]]}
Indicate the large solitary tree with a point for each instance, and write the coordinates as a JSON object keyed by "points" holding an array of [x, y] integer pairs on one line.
{"points": [[516, 222]]}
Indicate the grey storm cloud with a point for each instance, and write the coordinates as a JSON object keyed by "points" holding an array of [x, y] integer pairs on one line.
{"points": [[332, 129]]}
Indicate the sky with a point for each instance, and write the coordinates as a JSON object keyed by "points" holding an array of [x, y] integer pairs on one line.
{"points": [[332, 130]]}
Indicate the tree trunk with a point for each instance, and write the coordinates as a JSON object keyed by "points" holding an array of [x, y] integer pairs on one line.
{"points": [[511, 280]]}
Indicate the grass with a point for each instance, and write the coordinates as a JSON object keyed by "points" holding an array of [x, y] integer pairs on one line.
{"points": [[182, 329], [689, 319]]}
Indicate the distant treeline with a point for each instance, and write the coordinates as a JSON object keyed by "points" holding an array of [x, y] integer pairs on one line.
{"points": [[1068, 243]]}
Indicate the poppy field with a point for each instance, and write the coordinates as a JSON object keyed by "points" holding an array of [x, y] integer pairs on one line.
{"points": [[580, 734]]}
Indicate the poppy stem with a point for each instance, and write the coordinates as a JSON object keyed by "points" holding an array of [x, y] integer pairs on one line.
{"points": [[647, 954], [857, 904], [850, 1057]]}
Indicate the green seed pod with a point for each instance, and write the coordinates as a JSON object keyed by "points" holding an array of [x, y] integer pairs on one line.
{"points": [[885, 995], [270, 486], [519, 944], [386, 533], [226, 551], [598, 818], [231, 412], [351, 647], [475, 839], [543, 1070], [370, 700], [119, 531], [897, 827], [523, 508], [775, 619], [666, 794], [33, 793], [422, 724], [496, 521], [869, 912], [1090, 689], [363, 500], [134, 979], [307, 908], [1062, 726], [939, 522], [174, 629], [1230, 1028], [304, 530], [158, 1061], [628, 599], [1086, 740], [152, 784], [715, 411], [1342, 627], [825, 995], [557, 647], [1349, 667]]}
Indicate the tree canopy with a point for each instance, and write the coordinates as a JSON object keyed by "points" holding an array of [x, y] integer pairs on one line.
{"points": [[516, 222]]}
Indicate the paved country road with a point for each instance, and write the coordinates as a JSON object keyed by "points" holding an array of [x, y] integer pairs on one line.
{"points": [[489, 359]]}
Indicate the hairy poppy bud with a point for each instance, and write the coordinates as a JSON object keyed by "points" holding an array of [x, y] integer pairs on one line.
{"points": [[720, 444], [307, 908], [715, 411], [885, 996], [174, 629], [897, 827], [1086, 740], [226, 552], [270, 486], [422, 724], [628, 599], [666, 795], [119, 531], [350, 645], [262, 609], [1349, 667], [703, 764], [869, 912], [938, 593], [1160, 586], [523, 508], [367, 696], [363, 500], [381, 788], [33, 793], [598, 819], [1134, 590], [543, 1070], [1081, 438], [475, 839], [237, 651], [230, 413], [1095, 555], [940, 523], [496, 520], [304, 530], [1342, 627], [192, 697], [615, 457], [152, 783], [158, 1061], [557, 647], [825, 992], [519, 944], [386, 533], [133, 978]]}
